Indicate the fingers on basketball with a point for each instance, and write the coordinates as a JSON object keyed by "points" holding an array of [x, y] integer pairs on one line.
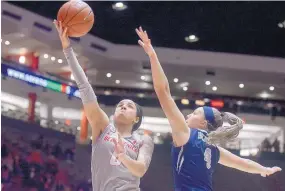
{"points": [[55, 24], [65, 32]]}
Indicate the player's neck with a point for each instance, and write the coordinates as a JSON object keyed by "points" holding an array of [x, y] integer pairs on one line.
{"points": [[124, 130]]}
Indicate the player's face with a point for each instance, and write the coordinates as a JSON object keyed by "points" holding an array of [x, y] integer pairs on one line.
{"points": [[196, 119], [126, 111]]}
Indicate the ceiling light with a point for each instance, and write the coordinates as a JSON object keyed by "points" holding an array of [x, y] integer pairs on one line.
{"points": [[117, 81], [72, 77], [214, 88], [241, 85], [184, 84], [239, 102], [59, 60], [52, 58], [206, 100], [185, 101], [7, 42], [264, 95], [175, 80], [107, 92], [22, 59], [140, 95], [207, 83], [108, 75], [185, 88], [45, 55], [119, 6], [191, 38], [143, 77], [200, 102], [271, 88]]}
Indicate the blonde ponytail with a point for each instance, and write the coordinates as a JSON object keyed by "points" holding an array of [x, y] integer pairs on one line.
{"points": [[224, 134]]}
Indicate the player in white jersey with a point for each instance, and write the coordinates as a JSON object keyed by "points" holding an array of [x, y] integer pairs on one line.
{"points": [[119, 158]]}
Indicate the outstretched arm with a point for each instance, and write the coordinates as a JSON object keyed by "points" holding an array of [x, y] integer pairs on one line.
{"points": [[95, 115], [180, 130], [230, 160]]}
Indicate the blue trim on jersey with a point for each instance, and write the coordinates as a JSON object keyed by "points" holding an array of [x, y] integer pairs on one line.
{"points": [[194, 163], [209, 114]]}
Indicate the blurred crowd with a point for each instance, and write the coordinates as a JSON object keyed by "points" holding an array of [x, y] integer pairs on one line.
{"points": [[267, 146], [37, 165]]}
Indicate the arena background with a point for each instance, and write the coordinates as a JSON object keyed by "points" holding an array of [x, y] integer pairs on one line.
{"points": [[228, 55]]}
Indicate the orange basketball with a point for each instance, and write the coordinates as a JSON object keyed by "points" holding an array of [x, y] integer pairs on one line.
{"points": [[77, 16]]}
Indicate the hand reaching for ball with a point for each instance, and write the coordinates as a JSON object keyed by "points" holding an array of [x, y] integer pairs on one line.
{"points": [[145, 41], [62, 32]]}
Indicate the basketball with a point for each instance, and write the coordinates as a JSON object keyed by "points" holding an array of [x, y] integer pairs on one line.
{"points": [[77, 16]]}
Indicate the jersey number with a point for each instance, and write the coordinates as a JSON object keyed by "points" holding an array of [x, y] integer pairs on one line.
{"points": [[207, 157]]}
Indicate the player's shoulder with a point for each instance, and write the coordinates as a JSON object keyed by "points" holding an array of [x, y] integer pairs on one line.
{"points": [[143, 139], [147, 139]]}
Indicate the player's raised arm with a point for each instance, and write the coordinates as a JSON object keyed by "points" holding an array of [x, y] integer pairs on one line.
{"points": [[180, 130], [230, 160], [95, 115]]}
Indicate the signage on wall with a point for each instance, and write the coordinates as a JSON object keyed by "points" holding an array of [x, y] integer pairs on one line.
{"points": [[38, 80]]}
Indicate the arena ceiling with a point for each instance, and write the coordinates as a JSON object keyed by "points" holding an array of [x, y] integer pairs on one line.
{"points": [[236, 27], [232, 27]]}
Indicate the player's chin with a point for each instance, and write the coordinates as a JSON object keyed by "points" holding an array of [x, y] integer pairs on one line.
{"points": [[121, 117]]}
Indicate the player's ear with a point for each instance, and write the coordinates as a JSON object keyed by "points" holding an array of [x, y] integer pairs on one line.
{"points": [[203, 123], [136, 120]]}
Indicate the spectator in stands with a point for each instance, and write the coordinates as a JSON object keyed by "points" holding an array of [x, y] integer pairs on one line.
{"points": [[61, 180], [4, 150], [274, 112], [57, 151], [35, 158], [83, 186], [8, 161], [276, 145], [266, 146], [47, 148], [69, 154], [5, 176], [52, 165], [16, 164]]}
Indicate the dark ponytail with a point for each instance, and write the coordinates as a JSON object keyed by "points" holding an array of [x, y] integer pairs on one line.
{"points": [[140, 116]]}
